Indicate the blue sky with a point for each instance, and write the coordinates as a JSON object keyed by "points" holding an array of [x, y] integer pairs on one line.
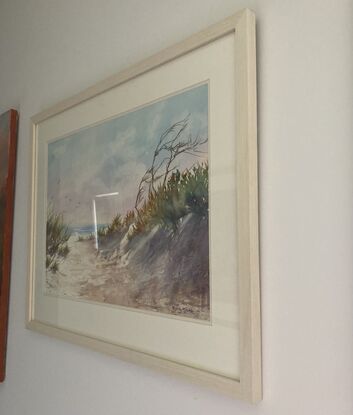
{"points": [[113, 156]]}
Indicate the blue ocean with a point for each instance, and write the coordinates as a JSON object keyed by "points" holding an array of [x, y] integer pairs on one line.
{"points": [[86, 229]]}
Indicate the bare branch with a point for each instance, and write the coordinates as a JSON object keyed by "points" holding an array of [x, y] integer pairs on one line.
{"points": [[173, 143]]}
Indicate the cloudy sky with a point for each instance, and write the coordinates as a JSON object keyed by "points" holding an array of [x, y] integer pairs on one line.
{"points": [[113, 156]]}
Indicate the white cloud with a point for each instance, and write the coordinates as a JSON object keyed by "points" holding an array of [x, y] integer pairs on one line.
{"points": [[153, 127], [122, 143]]}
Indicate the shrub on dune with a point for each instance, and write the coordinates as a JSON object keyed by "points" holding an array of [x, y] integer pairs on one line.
{"points": [[58, 235]]}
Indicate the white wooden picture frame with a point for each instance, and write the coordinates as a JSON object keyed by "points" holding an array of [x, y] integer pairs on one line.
{"points": [[223, 57]]}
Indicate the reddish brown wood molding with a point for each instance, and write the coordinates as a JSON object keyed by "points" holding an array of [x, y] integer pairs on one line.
{"points": [[7, 236]]}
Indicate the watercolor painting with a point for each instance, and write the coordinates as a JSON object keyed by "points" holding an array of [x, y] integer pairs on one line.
{"points": [[127, 209]]}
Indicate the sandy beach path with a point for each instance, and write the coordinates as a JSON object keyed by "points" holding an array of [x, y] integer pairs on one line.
{"points": [[85, 275]]}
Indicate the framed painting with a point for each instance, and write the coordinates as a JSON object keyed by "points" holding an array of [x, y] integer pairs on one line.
{"points": [[8, 141], [144, 240]]}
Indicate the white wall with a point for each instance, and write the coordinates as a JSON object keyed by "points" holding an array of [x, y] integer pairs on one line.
{"points": [[51, 49]]}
